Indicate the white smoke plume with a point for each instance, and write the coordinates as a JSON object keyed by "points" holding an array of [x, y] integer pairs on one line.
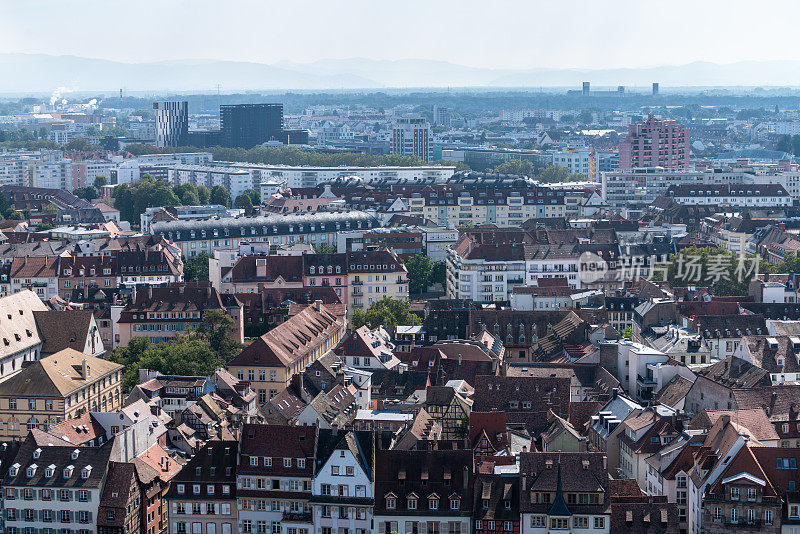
{"points": [[58, 94]]}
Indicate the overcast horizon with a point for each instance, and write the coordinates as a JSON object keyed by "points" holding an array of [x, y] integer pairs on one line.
{"points": [[502, 35]]}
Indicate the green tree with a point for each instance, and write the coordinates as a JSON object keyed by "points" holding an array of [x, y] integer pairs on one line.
{"points": [[789, 264], [419, 272], [50, 209], [243, 202], [438, 273], [86, 193], [203, 194], [190, 355], [386, 312], [100, 181], [220, 196], [196, 269], [324, 248], [217, 327], [516, 166], [255, 196], [80, 144], [133, 199], [557, 173], [723, 272], [627, 333]]}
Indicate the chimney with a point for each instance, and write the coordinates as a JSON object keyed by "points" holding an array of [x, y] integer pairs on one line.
{"points": [[84, 369], [726, 419], [318, 305]]}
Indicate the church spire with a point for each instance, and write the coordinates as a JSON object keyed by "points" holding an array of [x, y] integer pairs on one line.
{"points": [[559, 507]]}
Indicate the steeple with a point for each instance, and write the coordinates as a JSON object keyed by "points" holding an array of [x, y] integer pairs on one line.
{"points": [[559, 507]]}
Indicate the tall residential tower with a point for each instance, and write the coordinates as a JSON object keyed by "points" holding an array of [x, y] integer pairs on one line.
{"points": [[172, 123]]}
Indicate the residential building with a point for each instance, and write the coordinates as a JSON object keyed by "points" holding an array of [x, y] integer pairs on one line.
{"points": [[193, 237], [564, 492], [605, 430], [655, 143], [756, 491], [37, 273], [411, 136], [120, 509], [367, 349], [273, 478], [54, 389], [202, 497], [22, 341], [372, 276], [55, 487], [343, 487], [269, 362], [734, 195], [496, 500], [424, 491], [162, 313]]}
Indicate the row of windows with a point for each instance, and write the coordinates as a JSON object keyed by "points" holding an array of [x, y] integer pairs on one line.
{"points": [[562, 523], [49, 516], [267, 460], [210, 488]]}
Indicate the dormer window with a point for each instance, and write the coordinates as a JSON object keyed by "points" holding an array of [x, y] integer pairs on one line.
{"points": [[433, 503], [31, 470], [412, 503], [37, 453], [455, 503], [75, 454], [13, 470], [391, 503], [68, 471], [51, 469]]}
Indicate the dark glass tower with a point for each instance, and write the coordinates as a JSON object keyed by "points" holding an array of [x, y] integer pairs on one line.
{"points": [[248, 125]]}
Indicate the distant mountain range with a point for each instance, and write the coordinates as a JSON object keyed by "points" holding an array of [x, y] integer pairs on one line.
{"points": [[44, 73]]}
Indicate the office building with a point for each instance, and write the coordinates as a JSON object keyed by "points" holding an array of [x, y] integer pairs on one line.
{"points": [[411, 136], [172, 123], [441, 116], [248, 125], [655, 143]]}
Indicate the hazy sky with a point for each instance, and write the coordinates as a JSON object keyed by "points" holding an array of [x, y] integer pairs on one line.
{"points": [[486, 33]]}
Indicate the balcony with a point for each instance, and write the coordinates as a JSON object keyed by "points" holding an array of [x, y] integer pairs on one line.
{"points": [[297, 517], [357, 282], [358, 293], [644, 381], [515, 280], [743, 524]]}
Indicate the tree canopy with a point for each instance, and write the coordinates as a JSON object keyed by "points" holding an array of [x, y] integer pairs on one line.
{"points": [[195, 269], [133, 199], [724, 273], [424, 272], [196, 354], [386, 312]]}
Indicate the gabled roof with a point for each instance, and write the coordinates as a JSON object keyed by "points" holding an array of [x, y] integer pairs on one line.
{"points": [[361, 444], [63, 329], [674, 391], [57, 375], [733, 372], [491, 425], [291, 340]]}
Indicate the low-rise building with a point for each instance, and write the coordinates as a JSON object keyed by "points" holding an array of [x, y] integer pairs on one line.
{"points": [[424, 490], [54, 389], [202, 497], [269, 362]]}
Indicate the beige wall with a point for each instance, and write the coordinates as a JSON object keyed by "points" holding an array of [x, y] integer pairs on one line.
{"points": [[52, 410]]}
